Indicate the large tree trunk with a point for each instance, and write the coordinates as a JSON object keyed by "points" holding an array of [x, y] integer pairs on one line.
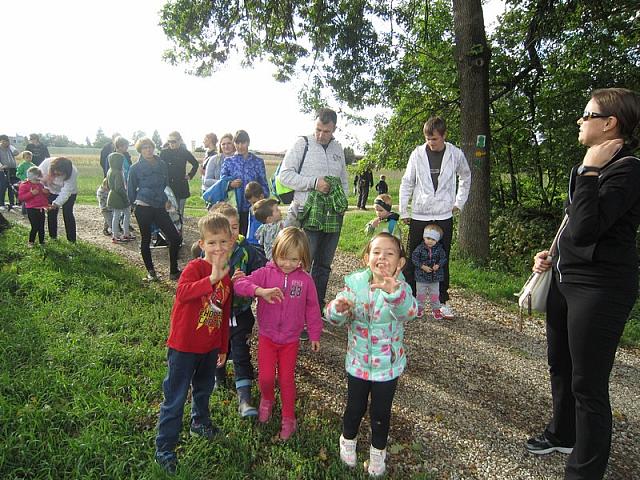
{"points": [[472, 58]]}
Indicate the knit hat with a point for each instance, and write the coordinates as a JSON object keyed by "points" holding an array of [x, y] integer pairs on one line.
{"points": [[431, 233]]}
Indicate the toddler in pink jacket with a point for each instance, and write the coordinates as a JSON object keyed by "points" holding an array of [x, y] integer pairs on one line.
{"points": [[287, 302], [35, 198]]}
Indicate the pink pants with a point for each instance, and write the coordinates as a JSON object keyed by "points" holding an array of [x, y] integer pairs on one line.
{"points": [[283, 357]]}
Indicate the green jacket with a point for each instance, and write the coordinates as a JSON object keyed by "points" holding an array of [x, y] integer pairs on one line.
{"points": [[323, 211], [375, 349], [115, 179], [21, 171]]}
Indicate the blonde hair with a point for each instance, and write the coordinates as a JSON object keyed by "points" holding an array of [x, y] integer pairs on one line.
{"points": [[226, 135], [226, 209], [396, 240], [213, 223], [26, 154], [385, 197], [289, 240]]}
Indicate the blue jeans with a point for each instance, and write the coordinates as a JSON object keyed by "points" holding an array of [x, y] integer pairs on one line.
{"points": [[322, 247], [185, 369], [239, 350]]}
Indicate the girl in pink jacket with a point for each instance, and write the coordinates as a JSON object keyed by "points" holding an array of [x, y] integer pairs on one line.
{"points": [[287, 302], [35, 198]]}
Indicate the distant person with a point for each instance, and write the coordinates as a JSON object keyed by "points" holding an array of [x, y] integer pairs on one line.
{"points": [[176, 157], [121, 145], [145, 188], [8, 166], [198, 339], [37, 148], [60, 178], [381, 186], [287, 301], [268, 214], [374, 304], [118, 199], [105, 151], [102, 194], [428, 258], [324, 159], [253, 193], [244, 167], [363, 182], [386, 220], [437, 181], [213, 161], [35, 199]]}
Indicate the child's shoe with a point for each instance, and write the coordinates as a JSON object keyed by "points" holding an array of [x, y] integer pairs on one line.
{"points": [[204, 431], [117, 240], [264, 411], [128, 238], [420, 313], [30, 245], [167, 461], [288, 428], [348, 451], [376, 463], [437, 314]]}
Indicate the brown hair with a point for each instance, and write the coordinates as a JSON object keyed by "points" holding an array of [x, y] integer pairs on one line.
{"points": [[435, 124], [241, 136], [226, 135], [213, 137], [624, 104], [144, 141], [263, 209], [385, 197], [396, 240], [326, 115], [61, 165], [253, 190], [214, 223], [225, 209], [292, 239], [121, 142]]}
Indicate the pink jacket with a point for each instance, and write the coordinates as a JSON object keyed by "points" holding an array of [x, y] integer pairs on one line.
{"points": [[39, 200], [282, 322]]}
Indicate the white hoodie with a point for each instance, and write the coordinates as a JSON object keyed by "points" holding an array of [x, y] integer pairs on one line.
{"points": [[416, 182]]}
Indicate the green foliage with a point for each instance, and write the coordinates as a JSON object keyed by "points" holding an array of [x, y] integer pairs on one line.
{"points": [[101, 139]]}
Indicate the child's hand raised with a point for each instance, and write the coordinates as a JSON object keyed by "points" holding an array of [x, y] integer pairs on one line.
{"points": [[389, 283], [342, 305], [219, 267], [271, 295], [237, 274]]}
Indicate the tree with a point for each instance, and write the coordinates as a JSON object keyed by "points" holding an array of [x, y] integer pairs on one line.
{"points": [[137, 135], [101, 139], [156, 139]]}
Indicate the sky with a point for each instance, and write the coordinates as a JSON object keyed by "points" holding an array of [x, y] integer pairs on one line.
{"points": [[73, 66]]}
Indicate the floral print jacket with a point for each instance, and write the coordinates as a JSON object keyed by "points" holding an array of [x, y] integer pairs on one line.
{"points": [[375, 349]]}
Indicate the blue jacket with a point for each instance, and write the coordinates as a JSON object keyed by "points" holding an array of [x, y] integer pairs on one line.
{"points": [[219, 191], [248, 170], [147, 182], [248, 259], [424, 255]]}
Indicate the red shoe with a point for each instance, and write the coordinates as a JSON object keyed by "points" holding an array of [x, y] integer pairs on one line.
{"points": [[437, 314], [264, 411], [288, 428]]}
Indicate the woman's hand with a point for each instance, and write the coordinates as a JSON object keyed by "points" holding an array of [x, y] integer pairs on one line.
{"points": [[270, 295], [235, 183], [541, 262], [600, 155]]}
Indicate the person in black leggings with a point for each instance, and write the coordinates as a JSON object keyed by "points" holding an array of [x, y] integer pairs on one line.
{"points": [[146, 184], [594, 284]]}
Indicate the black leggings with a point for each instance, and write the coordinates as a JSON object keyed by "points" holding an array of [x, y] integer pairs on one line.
{"points": [[382, 394], [146, 216], [36, 219], [67, 215]]}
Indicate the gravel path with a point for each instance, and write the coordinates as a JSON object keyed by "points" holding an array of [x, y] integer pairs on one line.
{"points": [[474, 390]]}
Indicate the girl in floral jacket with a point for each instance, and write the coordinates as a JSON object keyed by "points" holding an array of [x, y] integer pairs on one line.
{"points": [[375, 303]]}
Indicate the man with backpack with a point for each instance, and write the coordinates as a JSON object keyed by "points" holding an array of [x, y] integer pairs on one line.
{"points": [[306, 168]]}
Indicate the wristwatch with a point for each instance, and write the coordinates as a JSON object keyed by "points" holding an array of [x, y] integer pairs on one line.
{"points": [[582, 169]]}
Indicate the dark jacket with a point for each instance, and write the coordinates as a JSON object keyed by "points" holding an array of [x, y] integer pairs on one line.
{"points": [[247, 258], [39, 152], [147, 182], [176, 161], [382, 187], [424, 255], [104, 156], [117, 197], [598, 244], [364, 180]]}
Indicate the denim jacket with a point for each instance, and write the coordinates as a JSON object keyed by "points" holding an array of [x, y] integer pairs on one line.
{"points": [[147, 182]]}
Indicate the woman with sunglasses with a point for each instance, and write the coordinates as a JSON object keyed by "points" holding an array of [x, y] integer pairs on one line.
{"points": [[594, 283], [176, 156]]}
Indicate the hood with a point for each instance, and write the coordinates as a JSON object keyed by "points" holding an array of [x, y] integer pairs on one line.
{"points": [[116, 160]]}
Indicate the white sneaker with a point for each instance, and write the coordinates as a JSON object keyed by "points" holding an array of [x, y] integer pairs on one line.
{"points": [[348, 451], [376, 464], [447, 312]]}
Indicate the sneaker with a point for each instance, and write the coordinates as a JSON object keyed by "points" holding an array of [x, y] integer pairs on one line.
{"points": [[264, 411], [167, 461], [541, 445], [30, 245], [304, 336], [348, 451], [288, 428], [246, 410], [128, 238], [175, 276], [447, 312], [106, 232], [3, 208], [375, 466], [437, 314], [420, 313], [204, 431], [118, 240], [152, 276]]}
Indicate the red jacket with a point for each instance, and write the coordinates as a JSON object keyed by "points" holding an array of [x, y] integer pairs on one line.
{"points": [[196, 327], [30, 200]]}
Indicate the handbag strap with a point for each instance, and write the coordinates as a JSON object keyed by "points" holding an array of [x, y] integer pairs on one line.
{"points": [[554, 244]]}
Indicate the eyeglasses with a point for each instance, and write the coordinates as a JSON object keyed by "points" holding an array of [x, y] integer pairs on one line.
{"points": [[586, 115], [172, 142]]}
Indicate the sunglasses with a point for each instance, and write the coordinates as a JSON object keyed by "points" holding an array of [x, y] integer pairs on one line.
{"points": [[586, 115], [172, 142]]}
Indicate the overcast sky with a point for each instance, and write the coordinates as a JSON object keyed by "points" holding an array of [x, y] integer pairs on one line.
{"points": [[72, 66]]}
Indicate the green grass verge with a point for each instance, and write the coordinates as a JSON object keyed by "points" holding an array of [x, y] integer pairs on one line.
{"points": [[83, 358]]}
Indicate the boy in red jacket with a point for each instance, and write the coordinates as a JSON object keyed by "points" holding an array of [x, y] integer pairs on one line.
{"points": [[198, 339]]}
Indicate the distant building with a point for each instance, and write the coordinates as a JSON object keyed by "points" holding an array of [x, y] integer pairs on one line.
{"points": [[18, 140]]}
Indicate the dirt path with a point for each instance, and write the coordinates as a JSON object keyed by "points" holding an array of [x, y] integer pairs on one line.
{"points": [[474, 390]]}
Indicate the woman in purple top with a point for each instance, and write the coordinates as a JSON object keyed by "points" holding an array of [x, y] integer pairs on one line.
{"points": [[244, 167]]}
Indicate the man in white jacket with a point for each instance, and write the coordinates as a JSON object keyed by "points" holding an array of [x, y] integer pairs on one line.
{"points": [[437, 181]]}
